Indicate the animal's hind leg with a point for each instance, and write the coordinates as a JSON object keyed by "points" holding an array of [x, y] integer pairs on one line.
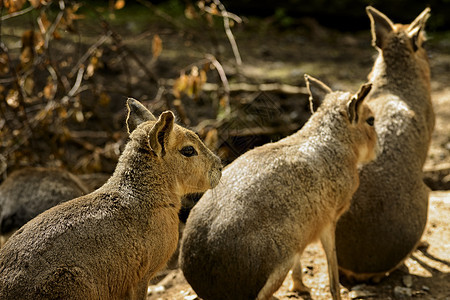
{"points": [[297, 282], [275, 280], [327, 238]]}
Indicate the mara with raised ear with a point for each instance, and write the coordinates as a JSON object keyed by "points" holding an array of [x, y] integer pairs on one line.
{"points": [[108, 244], [389, 210], [241, 240], [29, 191]]}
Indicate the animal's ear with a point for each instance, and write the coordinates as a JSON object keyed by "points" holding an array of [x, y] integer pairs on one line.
{"points": [[380, 26], [317, 91], [137, 114], [158, 136], [417, 27], [355, 102]]}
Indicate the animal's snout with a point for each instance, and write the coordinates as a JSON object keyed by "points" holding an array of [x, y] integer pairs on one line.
{"points": [[215, 173]]}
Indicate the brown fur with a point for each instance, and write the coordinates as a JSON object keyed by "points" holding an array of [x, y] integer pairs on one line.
{"points": [[389, 211], [108, 244], [241, 239], [29, 191]]}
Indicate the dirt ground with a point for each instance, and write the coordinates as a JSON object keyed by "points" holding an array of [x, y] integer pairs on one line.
{"points": [[344, 60]]}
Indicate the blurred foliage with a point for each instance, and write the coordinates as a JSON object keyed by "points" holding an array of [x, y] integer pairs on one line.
{"points": [[67, 67], [64, 79]]}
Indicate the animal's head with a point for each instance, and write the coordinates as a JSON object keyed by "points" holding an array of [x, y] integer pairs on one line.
{"points": [[353, 115], [399, 39], [178, 150]]}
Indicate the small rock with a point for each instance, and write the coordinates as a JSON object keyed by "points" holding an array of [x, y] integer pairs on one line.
{"points": [[155, 289], [425, 288], [191, 297], [407, 281], [361, 294], [402, 292]]}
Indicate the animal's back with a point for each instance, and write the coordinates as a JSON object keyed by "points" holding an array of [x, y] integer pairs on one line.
{"points": [[30, 191], [72, 246], [260, 195], [389, 210]]}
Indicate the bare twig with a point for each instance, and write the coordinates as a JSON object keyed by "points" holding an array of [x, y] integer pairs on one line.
{"points": [[17, 13], [54, 76], [49, 32], [89, 52], [220, 71], [229, 33]]}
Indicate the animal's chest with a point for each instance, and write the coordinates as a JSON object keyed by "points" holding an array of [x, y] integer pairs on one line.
{"points": [[162, 239]]}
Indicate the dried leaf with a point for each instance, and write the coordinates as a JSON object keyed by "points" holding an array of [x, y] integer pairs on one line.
{"points": [[79, 116], [104, 99], [119, 4], [190, 12], [203, 77], [180, 85], [156, 46], [14, 5], [196, 81], [57, 35], [94, 63], [29, 85], [70, 17], [27, 49], [190, 89], [63, 113], [194, 71], [213, 9], [39, 43], [201, 5], [91, 67], [4, 63], [35, 3], [44, 22], [48, 90], [13, 98], [223, 102]]}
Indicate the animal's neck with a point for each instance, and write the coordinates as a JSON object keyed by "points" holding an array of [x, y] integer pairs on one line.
{"points": [[331, 142], [402, 71], [139, 175]]}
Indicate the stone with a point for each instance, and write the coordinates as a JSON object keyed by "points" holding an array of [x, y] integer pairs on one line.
{"points": [[402, 292]]}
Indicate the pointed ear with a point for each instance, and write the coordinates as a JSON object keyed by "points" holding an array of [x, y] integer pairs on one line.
{"points": [[380, 26], [417, 27], [317, 91], [355, 102], [137, 114], [158, 136]]}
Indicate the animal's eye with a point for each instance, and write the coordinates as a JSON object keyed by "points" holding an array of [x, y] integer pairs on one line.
{"points": [[370, 121], [188, 151]]}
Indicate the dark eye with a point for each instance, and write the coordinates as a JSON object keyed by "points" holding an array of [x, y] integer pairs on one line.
{"points": [[370, 121], [188, 151]]}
